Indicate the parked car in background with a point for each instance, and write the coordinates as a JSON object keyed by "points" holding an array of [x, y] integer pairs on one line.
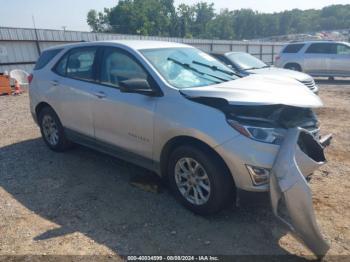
{"points": [[246, 64], [317, 58]]}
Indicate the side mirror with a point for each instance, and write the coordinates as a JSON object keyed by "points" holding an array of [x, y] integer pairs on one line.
{"points": [[137, 85]]}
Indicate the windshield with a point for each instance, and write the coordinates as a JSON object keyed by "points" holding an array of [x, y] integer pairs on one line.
{"points": [[188, 67], [246, 61]]}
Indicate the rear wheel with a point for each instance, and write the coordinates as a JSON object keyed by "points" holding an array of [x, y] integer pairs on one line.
{"points": [[52, 130], [293, 66], [199, 180]]}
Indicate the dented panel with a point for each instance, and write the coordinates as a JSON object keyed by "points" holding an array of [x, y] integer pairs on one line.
{"points": [[256, 90], [288, 186]]}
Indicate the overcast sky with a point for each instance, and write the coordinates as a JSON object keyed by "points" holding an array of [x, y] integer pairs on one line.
{"points": [[72, 13]]}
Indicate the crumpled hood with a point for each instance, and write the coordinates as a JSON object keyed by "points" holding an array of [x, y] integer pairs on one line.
{"points": [[282, 72], [258, 90]]}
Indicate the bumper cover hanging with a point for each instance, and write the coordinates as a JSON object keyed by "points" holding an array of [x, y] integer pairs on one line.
{"points": [[300, 154]]}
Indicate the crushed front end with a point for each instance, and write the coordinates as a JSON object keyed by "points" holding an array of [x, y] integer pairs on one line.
{"points": [[280, 147]]}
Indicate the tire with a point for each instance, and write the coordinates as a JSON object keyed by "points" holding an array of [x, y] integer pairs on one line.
{"points": [[52, 130], [219, 180], [293, 66]]}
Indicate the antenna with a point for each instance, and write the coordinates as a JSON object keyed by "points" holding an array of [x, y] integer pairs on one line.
{"points": [[33, 20]]}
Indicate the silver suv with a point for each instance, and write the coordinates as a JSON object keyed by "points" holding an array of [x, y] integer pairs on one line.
{"points": [[173, 109], [246, 64], [317, 58]]}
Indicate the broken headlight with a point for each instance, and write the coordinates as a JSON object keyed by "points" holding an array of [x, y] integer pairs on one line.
{"points": [[264, 134]]}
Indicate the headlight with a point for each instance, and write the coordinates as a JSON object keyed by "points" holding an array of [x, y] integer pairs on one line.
{"points": [[262, 134]]}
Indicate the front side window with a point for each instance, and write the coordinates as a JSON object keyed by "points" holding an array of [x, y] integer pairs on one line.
{"points": [[321, 48], [117, 66], [188, 67], [246, 61], [343, 49]]}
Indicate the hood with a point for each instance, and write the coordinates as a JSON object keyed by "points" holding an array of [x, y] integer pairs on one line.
{"points": [[258, 90], [281, 72]]}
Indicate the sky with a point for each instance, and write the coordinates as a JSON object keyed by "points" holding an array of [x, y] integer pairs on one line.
{"points": [[54, 14]]}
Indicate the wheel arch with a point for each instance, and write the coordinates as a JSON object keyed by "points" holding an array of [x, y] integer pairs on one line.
{"points": [[293, 63], [175, 142], [40, 107]]}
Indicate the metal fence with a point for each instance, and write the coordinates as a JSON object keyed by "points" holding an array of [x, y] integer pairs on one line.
{"points": [[21, 47]]}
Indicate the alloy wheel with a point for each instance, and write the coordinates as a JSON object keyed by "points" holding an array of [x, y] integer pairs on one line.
{"points": [[192, 181]]}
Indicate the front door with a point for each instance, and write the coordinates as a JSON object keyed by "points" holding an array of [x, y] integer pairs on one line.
{"points": [[123, 120]]}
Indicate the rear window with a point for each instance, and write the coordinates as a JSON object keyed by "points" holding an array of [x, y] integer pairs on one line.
{"points": [[45, 58], [294, 48]]}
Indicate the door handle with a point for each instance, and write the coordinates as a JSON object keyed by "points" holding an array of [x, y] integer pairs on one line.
{"points": [[100, 94], [54, 82]]}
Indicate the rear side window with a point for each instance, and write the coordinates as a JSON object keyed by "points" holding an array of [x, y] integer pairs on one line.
{"points": [[45, 58], [294, 48], [321, 48], [343, 49], [78, 64]]}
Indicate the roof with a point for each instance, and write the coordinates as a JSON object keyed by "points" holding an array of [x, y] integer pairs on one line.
{"points": [[315, 41], [228, 53], [134, 44]]}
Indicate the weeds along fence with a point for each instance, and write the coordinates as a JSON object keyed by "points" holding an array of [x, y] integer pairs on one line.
{"points": [[21, 47]]}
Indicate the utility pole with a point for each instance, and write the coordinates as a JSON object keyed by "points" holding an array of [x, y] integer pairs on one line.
{"points": [[36, 37]]}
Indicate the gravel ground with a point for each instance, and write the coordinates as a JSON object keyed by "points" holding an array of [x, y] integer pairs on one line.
{"points": [[82, 202]]}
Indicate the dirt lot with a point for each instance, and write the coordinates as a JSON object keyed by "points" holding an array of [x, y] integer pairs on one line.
{"points": [[82, 203]]}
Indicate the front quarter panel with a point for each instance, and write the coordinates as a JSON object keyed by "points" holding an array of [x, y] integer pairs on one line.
{"points": [[178, 116]]}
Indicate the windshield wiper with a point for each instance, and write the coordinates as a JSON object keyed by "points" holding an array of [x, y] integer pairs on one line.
{"points": [[189, 67], [253, 68], [214, 68]]}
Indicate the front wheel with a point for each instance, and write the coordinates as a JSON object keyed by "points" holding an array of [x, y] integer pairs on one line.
{"points": [[199, 180]]}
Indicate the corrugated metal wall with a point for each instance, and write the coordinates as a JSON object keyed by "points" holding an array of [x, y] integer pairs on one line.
{"points": [[20, 47]]}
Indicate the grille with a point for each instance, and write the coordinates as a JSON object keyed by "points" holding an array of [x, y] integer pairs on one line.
{"points": [[309, 83]]}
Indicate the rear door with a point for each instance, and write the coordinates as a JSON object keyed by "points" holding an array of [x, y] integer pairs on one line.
{"points": [[340, 62], [75, 88], [317, 59], [123, 120]]}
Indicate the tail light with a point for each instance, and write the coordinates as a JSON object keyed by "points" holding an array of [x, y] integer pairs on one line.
{"points": [[30, 78], [277, 58]]}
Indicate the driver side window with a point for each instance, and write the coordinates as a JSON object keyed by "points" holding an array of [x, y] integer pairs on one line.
{"points": [[117, 66]]}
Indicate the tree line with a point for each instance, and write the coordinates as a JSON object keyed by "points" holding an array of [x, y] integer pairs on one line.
{"points": [[163, 18]]}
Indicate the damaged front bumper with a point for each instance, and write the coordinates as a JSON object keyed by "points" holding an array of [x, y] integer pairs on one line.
{"points": [[299, 155]]}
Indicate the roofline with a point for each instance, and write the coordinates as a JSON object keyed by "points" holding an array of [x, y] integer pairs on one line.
{"points": [[315, 41], [123, 42]]}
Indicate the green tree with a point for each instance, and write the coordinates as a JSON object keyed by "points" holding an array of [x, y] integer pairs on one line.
{"points": [[203, 13], [162, 18], [97, 21], [221, 27]]}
